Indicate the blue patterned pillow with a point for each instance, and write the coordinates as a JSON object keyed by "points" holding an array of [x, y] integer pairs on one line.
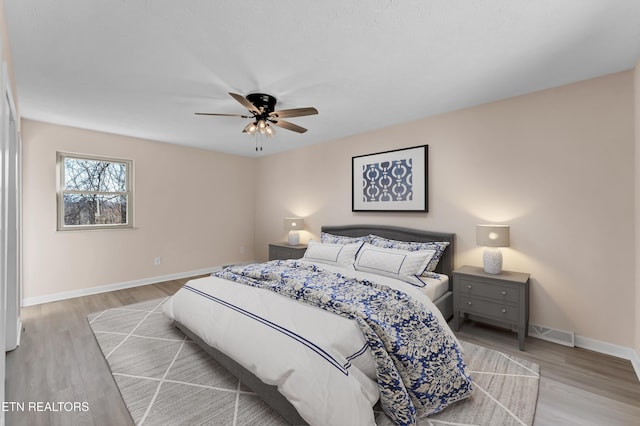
{"points": [[327, 238], [438, 246]]}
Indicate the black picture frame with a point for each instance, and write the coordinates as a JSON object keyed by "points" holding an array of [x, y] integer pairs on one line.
{"points": [[391, 181]]}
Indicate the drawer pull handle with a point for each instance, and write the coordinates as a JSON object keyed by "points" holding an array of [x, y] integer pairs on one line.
{"points": [[469, 303], [469, 287], [504, 293], [504, 311]]}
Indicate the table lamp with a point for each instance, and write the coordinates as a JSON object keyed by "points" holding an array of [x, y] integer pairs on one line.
{"points": [[293, 225], [492, 237]]}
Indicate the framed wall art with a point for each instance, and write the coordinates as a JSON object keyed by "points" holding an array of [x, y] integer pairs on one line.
{"points": [[390, 181]]}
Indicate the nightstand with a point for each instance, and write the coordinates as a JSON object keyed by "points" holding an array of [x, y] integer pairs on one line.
{"points": [[495, 299], [285, 251]]}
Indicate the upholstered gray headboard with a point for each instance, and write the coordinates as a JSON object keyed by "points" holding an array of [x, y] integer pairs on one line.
{"points": [[446, 264]]}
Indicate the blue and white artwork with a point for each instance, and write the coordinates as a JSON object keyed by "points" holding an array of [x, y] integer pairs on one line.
{"points": [[388, 181]]}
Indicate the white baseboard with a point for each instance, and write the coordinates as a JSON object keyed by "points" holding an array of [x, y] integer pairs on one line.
{"points": [[37, 300], [635, 361], [610, 349], [12, 345]]}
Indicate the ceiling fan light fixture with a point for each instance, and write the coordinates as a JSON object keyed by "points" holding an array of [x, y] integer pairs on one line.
{"points": [[250, 128], [269, 131]]}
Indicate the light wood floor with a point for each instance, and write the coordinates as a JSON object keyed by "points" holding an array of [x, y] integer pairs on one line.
{"points": [[577, 386], [59, 361]]}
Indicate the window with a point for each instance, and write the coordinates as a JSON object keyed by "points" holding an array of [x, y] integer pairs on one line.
{"points": [[94, 193]]}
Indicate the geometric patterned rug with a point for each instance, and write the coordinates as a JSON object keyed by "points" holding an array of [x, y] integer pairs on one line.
{"points": [[166, 379]]}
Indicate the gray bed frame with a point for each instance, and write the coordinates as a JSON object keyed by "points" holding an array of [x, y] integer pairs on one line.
{"points": [[445, 266], [269, 393]]}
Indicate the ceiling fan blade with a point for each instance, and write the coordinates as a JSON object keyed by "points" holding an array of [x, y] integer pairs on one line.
{"points": [[288, 126], [293, 112], [245, 103], [223, 115]]}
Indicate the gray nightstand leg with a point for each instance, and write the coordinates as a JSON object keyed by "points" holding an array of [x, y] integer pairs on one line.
{"points": [[521, 335]]}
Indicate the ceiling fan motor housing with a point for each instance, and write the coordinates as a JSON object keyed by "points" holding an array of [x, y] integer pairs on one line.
{"points": [[262, 101]]}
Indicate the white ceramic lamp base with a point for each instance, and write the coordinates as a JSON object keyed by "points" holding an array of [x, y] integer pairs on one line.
{"points": [[293, 238], [492, 261]]}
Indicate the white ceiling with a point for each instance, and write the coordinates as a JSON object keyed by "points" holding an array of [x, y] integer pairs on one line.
{"points": [[143, 67]]}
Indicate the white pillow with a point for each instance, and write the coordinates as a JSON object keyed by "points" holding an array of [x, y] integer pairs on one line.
{"points": [[400, 264], [438, 246], [333, 254]]}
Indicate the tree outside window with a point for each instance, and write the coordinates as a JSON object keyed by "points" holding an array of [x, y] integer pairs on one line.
{"points": [[95, 193]]}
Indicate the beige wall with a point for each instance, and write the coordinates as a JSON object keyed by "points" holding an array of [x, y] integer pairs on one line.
{"points": [[556, 165], [193, 208]]}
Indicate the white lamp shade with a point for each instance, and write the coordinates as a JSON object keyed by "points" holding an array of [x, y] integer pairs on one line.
{"points": [[492, 235], [293, 224]]}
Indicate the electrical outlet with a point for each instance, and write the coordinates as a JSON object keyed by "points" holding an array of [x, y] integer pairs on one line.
{"points": [[157, 260], [242, 250]]}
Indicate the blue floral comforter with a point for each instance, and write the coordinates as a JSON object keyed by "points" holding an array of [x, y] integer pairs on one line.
{"points": [[420, 369]]}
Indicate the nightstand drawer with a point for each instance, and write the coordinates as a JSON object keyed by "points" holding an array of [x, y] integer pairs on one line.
{"points": [[500, 311], [472, 287], [278, 251]]}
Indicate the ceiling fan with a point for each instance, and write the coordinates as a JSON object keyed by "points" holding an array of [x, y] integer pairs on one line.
{"points": [[262, 108]]}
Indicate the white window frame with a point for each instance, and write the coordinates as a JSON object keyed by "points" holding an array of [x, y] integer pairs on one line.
{"points": [[61, 192]]}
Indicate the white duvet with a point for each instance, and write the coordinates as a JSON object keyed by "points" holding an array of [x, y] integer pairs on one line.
{"points": [[318, 360]]}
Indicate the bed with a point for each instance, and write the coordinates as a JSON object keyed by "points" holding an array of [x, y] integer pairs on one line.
{"points": [[310, 365], [445, 266]]}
